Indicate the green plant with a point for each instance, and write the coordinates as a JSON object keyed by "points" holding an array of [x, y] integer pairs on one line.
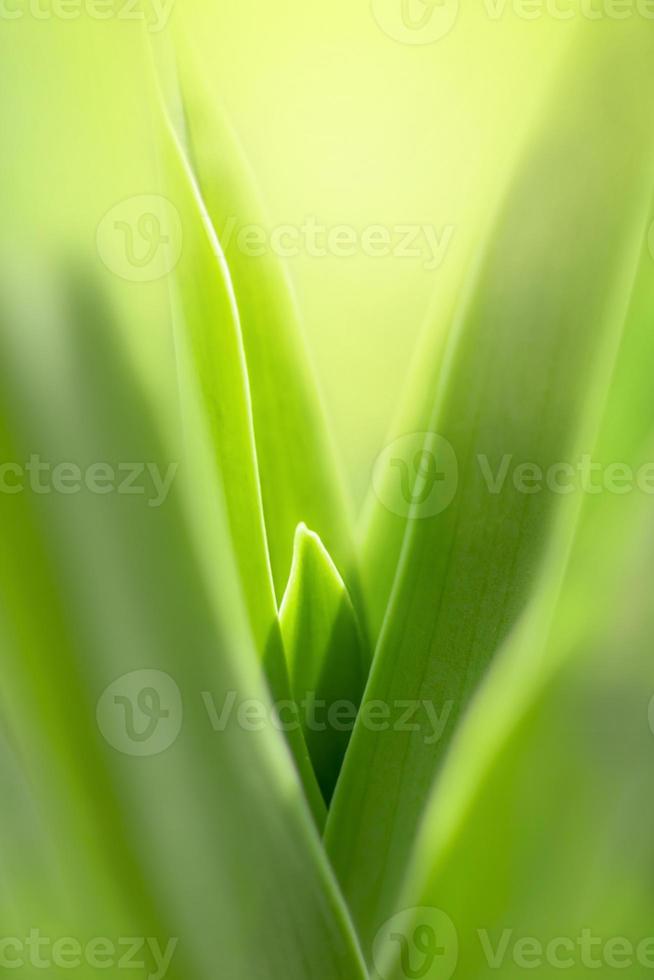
{"points": [[514, 618]]}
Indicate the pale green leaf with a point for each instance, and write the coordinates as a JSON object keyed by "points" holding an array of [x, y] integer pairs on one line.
{"points": [[524, 372], [559, 743], [297, 465], [196, 838], [216, 399]]}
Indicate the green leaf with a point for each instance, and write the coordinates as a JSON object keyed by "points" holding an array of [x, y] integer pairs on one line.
{"points": [[194, 837], [522, 379], [215, 393], [214, 384], [297, 465], [384, 529], [570, 700], [324, 647], [573, 767]]}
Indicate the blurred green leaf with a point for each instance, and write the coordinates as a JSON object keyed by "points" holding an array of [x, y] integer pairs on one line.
{"points": [[551, 843], [558, 746], [194, 839], [523, 372]]}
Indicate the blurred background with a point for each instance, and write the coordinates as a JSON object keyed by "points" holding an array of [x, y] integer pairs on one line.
{"points": [[343, 124]]}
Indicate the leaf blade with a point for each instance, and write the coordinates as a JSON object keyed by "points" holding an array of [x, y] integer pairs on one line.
{"points": [[181, 841], [324, 645], [300, 477], [466, 574]]}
